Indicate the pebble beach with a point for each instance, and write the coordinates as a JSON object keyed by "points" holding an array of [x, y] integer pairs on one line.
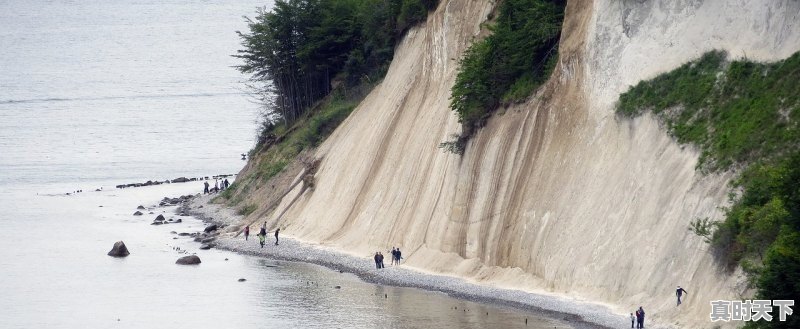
{"points": [[577, 313]]}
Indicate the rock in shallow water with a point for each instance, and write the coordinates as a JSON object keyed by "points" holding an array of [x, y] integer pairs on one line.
{"points": [[188, 260], [138, 213], [119, 250]]}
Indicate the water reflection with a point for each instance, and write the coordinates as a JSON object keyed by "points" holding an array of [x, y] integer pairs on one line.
{"points": [[296, 295]]}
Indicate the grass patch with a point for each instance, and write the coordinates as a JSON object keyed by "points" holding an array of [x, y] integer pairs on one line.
{"points": [[742, 115], [246, 210], [736, 112]]}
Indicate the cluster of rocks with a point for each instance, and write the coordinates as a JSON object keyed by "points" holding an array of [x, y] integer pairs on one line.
{"points": [[160, 220], [175, 201], [120, 250], [170, 181]]}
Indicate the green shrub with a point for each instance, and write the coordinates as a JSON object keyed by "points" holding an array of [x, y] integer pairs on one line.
{"points": [[507, 66], [741, 115]]}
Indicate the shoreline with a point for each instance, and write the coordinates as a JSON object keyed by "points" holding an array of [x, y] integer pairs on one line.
{"points": [[577, 314]]}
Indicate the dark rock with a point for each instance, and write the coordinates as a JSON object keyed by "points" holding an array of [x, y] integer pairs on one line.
{"points": [[175, 238], [184, 234], [242, 280], [140, 207], [179, 220], [206, 246], [159, 218], [208, 240], [151, 213], [338, 287], [199, 207], [180, 180], [156, 223], [188, 260], [138, 213], [210, 228], [119, 250], [173, 232]]}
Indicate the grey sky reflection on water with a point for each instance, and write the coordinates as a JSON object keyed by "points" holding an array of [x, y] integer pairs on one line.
{"points": [[296, 295]]}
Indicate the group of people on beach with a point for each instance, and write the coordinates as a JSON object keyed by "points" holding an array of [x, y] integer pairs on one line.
{"points": [[262, 234], [638, 316], [218, 186], [396, 257]]}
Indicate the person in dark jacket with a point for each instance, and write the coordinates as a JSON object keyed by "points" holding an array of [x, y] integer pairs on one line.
{"points": [[276, 235], [679, 292], [377, 260], [640, 317]]}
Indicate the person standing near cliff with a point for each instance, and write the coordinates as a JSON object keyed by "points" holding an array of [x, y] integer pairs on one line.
{"points": [[679, 292], [246, 232], [633, 318], [399, 256], [640, 317], [276, 235], [205, 190], [377, 260]]}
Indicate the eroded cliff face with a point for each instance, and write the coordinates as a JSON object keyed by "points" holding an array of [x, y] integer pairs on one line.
{"points": [[556, 195]]}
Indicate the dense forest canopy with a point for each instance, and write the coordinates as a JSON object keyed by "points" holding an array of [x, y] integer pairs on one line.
{"points": [[300, 50], [507, 66]]}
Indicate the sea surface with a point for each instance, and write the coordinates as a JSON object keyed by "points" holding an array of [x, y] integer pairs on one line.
{"points": [[96, 93]]}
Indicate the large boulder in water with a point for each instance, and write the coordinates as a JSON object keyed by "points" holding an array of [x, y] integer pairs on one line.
{"points": [[159, 218], [188, 260], [119, 250], [138, 213]]}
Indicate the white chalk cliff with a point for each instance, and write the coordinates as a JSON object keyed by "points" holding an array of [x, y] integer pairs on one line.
{"points": [[556, 195]]}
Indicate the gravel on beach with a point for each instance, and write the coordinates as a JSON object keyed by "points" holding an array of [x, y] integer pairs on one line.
{"points": [[577, 313]]}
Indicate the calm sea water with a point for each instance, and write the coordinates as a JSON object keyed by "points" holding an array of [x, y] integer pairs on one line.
{"points": [[96, 93]]}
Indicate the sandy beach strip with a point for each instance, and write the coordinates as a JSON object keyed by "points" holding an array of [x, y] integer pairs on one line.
{"points": [[576, 313]]}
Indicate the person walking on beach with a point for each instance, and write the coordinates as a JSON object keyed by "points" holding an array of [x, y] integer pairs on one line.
{"points": [[679, 292], [225, 182], [633, 318], [377, 260], [216, 185], [262, 234], [394, 255], [205, 190], [246, 232], [380, 257], [399, 256], [276, 235]]}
